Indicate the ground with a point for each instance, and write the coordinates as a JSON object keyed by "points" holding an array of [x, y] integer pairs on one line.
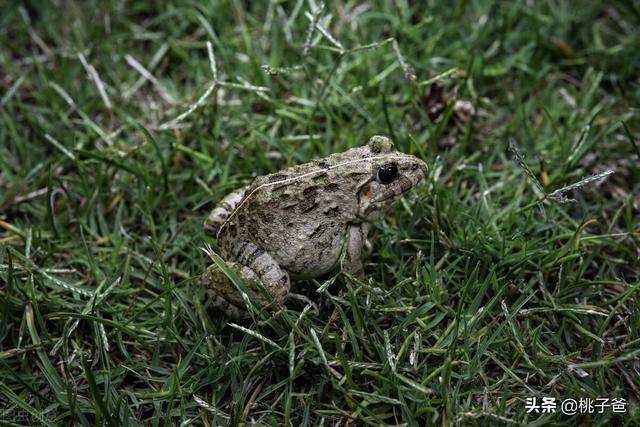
{"points": [[123, 123]]}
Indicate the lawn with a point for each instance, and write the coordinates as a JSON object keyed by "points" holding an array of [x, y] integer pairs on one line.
{"points": [[492, 287]]}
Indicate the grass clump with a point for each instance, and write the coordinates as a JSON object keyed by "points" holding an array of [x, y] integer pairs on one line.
{"points": [[121, 125]]}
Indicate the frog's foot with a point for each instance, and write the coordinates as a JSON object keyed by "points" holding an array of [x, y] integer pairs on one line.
{"points": [[259, 273], [225, 294]]}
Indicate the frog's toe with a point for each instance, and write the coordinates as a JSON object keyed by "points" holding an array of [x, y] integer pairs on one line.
{"points": [[232, 311]]}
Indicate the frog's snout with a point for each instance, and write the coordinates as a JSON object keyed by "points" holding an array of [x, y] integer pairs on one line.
{"points": [[424, 167], [417, 171]]}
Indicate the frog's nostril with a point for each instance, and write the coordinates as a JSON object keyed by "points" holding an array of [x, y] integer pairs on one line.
{"points": [[419, 167]]}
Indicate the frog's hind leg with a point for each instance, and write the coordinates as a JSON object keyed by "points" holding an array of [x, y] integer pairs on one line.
{"points": [[225, 295], [221, 212], [255, 267]]}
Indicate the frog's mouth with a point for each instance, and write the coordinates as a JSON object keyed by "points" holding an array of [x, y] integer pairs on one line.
{"points": [[377, 198]]}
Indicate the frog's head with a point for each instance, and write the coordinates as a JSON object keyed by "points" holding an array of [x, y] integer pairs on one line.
{"points": [[392, 174]]}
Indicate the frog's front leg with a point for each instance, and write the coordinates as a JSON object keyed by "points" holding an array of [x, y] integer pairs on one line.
{"points": [[256, 268], [352, 260]]}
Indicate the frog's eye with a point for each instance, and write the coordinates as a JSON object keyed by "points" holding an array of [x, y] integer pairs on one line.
{"points": [[387, 173]]}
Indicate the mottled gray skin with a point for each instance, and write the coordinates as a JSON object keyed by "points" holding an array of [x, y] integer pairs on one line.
{"points": [[302, 222]]}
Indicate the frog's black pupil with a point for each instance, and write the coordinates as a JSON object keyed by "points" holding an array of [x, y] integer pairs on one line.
{"points": [[387, 173]]}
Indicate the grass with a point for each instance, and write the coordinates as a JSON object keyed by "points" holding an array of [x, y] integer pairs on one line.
{"points": [[483, 288]]}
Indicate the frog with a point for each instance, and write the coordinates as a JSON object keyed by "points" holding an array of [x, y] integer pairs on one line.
{"points": [[303, 222]]}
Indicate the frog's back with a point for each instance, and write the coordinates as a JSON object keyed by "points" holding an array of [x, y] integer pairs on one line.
{"points": [[299, 215], [229, 208]]}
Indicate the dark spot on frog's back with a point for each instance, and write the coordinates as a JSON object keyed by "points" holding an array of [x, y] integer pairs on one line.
{"points": [[318, 230], [309, 202], [254, 229], [323, 165], [288, 206], [331, 211], [308, 207], [277, 177], [266, 217], [310, 191], [231, 228], [241, 216], [332, 187], [320, 176], [355, 175]]}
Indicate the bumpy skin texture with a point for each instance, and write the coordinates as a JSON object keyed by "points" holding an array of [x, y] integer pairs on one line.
{"points": [[301, 222]]}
